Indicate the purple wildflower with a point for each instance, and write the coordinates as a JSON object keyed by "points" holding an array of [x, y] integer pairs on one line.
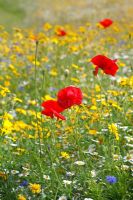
{"points": [[24, 183], [111, 179]]}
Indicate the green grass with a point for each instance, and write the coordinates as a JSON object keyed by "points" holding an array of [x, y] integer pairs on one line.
{"points": [[11, 13]]}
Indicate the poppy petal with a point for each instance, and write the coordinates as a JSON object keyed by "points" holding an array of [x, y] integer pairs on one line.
{"points": [[106, 64], [58, 115], [69, 96]]}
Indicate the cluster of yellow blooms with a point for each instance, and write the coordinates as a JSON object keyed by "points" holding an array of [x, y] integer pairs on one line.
{"points": [[113, 129]]}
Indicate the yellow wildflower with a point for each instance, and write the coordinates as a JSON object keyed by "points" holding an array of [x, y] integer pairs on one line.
{"points": [[48, 134], [35, 188], [21, 111], [6, 83], [65, 155], [32, 102], [37, 63], [44, 59], [17, 100], [97, 88], [93, 108], [48, 97], [53, 72], [20, 126], [75, 66], [21, 197], [4, 91], [47, 26], [114, 104], [7, 116], [82, 29], [113, 129], [7, 126], [92, 132], [76, 80]]}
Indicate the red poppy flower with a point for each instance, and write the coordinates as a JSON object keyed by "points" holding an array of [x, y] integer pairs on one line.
{"points": [[52, 108], [107, 65], [69, 96], [61, 32], [106, 22]]}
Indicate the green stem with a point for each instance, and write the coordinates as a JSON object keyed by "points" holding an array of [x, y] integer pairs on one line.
{"points": [[35, 79]]}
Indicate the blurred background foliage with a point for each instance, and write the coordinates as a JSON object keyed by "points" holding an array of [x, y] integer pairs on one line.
{"points": [[36, 12]]}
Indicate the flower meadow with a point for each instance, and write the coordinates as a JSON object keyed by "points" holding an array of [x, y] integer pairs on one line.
{"points": [[66, 114]]}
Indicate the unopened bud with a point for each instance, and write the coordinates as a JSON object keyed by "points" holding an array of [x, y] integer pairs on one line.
{"points": [[67, 72]]}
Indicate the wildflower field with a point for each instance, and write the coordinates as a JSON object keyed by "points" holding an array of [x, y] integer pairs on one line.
{"points": [[66, 111]]}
